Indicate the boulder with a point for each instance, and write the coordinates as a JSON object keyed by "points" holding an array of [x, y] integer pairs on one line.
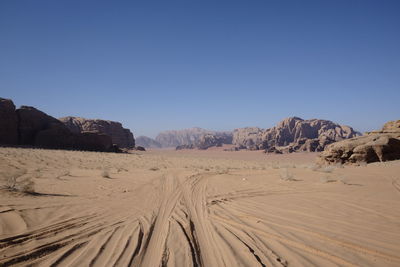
{"points": [[383, 145], [8, 123], [120, 136], [247, 138]]}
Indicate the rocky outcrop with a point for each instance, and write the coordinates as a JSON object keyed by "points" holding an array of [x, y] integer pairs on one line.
{"points": [[31, 121], [293, 134], [205, 141], [147, 142], [36, 128], [216, 139], [29, 126], [375, 146], [120, 136], [8, 123], [248, 138], [181, 137]]}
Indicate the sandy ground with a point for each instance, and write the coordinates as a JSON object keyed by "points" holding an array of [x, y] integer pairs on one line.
{"points": [[195, 208]]}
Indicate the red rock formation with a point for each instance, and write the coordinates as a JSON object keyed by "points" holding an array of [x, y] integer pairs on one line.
{"points": [[120, 136], [375, 146]]}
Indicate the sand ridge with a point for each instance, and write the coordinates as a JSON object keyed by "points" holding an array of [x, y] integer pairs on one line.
{"points": [[184, 208]]}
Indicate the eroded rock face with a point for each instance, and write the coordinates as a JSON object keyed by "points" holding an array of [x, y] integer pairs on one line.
{"points": [[36, 128], [383, 145], [29, 126], [293, 134], [248, 138], [31, 121], [8, 123], [120, 136], [214, 140], [147, 142]]}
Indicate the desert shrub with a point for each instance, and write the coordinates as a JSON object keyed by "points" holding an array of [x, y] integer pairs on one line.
{"points": [[314, 167], [27, 186], [324, 179], [15, 183], [105, 173], [286, 176], [327, 169], [327, 179], [275, 166]]}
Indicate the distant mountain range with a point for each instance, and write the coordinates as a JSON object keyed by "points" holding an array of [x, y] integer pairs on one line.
{"points": [[291, 134]]}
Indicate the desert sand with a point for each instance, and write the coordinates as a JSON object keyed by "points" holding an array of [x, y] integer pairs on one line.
{"points": [[195, 208]]}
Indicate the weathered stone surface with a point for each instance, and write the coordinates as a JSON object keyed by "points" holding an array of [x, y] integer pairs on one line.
{"points": [[247, 138], [293, 134], [391, 127], [31, 121], [36, 128], [119, 135], [29, 126], [381, 145], [214, 140], [8, 123], [147, 142]]}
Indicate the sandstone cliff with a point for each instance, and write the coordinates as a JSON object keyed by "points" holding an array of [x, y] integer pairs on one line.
{"points": [[120, 136], [293, 134], [248, 138], [375, 146], [216, 139], [29, 126]]}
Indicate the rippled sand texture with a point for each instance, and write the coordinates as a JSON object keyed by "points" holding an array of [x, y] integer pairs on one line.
{"points": [[209, 208]]}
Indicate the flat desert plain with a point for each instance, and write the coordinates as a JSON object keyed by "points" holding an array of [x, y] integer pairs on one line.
{"points": [[195, 208]]}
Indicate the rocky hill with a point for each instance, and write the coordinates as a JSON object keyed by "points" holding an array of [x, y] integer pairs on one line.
{"points": [[147, 142], [248, 138], [181, 137], [120, 136], [374, 146], [293, 134], [29, 126], [215, 139]]}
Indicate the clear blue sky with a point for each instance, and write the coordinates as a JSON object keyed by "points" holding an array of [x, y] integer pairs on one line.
{"points": [[158, 65]]}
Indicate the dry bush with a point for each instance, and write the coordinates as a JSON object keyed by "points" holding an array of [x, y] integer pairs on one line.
{"points": [[16, 184], [286, 176], [275, 166], [327, 179], [105, 173]]}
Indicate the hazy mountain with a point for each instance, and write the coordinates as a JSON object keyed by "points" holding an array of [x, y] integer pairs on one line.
{"points": [[147, 142]]}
